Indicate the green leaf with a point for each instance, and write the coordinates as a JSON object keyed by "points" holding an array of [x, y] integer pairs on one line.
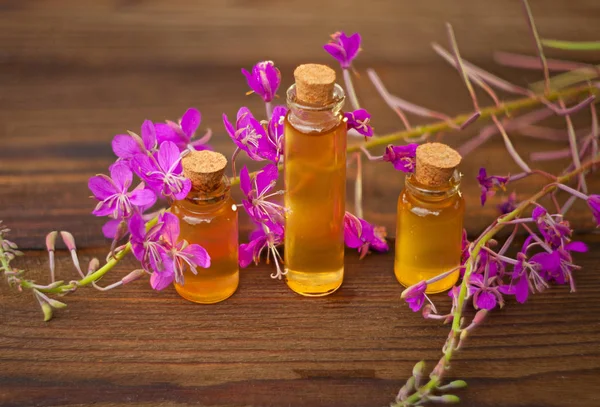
{"points": [[573, 45]]}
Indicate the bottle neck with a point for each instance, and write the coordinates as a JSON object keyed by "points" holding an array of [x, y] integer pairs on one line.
{"points": [[315, 118], [203, 201], [433, 194]]}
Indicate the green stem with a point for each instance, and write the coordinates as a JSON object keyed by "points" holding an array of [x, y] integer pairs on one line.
{"points": [[486, 113], [95, 276], [573, 45], [479, 244]]}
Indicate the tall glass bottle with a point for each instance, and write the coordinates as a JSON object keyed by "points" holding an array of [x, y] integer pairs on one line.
{"points": [[208, 217], [430, 220], [315, 182]]}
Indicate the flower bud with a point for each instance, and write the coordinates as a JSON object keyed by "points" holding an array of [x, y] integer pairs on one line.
{"points": [[47, 310], [450, 399]]}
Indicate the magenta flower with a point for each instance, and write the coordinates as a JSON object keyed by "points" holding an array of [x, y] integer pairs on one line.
{"points": [[115, 199], [402, 157], [343, 48], [415, 296], [248, 134], [183, 132], [593, 202], [180, 256], [268, 236], [485, 295], [519, 285], [275, 134], [126, 146], [490, 184], [359, 121], [508, 205], [264, 79], [558, 265], [360, 234], [258, 190], [147, 246], [163, 171], [555, 231]]}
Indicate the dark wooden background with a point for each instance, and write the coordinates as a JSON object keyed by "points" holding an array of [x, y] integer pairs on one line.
{"points": [[75, 73]]}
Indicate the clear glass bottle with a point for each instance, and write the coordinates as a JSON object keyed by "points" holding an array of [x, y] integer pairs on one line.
{"points": [[315, 183], [208, 217], [429, 232]]}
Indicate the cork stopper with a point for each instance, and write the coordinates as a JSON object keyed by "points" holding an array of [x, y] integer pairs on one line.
{"points": [[205, 169], [314, 84], [435, 164]]}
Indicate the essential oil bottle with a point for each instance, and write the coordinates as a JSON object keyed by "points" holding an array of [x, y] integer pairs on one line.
{"points": [[208, 217], [430, 219], [315, 182]]}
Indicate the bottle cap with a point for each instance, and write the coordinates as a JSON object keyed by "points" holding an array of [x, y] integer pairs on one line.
{"points": [[435, 164], [205, 169], [314, 84]]}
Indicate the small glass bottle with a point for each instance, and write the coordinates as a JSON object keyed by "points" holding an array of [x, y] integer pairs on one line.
{"points": [[430, 219], [315, 182], [208, 217]]}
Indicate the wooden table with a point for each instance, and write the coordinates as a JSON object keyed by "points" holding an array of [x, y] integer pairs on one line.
{"points": [[73, 76]]}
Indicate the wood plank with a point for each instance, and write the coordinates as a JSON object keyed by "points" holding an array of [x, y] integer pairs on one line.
{"points": [[191, 33], [266, 346]]}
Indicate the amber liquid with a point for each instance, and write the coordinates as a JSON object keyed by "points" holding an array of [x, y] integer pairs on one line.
{"points": [[214, 226], [315, 185], [428, 239]]}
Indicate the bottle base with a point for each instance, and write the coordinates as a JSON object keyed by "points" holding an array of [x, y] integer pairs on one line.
{"points": [[201, 295], [314, 284], [435, 288]]}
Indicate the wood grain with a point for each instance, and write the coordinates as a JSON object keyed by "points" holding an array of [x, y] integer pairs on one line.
{"points": [[73, 74], [269, 347]]}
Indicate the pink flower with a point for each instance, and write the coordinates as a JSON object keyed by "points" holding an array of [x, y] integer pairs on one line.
{"points": [[182, 133], [248, 134], [489, 185], [360, 234], [147, 247], [274, 148], [268, 236], [343, 48], [553, 228], [264, 79], [593, 202], [359, 121], [258, 189], [115, 199], [163, 171], [415, 296], [402, 157], [180, 255], [126, 146]]}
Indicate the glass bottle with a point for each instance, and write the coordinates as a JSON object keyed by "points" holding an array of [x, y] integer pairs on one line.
{"points": [[315, 182], [208, 217], [430, 220]]}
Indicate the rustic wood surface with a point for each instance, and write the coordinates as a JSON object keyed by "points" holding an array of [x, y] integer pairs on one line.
{"points": [[73, 74]]}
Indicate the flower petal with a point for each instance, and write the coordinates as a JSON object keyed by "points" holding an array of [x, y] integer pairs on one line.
{"points": [[102, 187], [190, 121], [149, 135], [245, 184], [579, 247], [170, 230], [142, 197], [121, 176], [124, 146], [168, 154], [198, 255], [161, 280]]}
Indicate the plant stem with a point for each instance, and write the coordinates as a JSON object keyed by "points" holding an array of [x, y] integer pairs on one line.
{"points": [[445, 125], [350, 89], [95, 276]]}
